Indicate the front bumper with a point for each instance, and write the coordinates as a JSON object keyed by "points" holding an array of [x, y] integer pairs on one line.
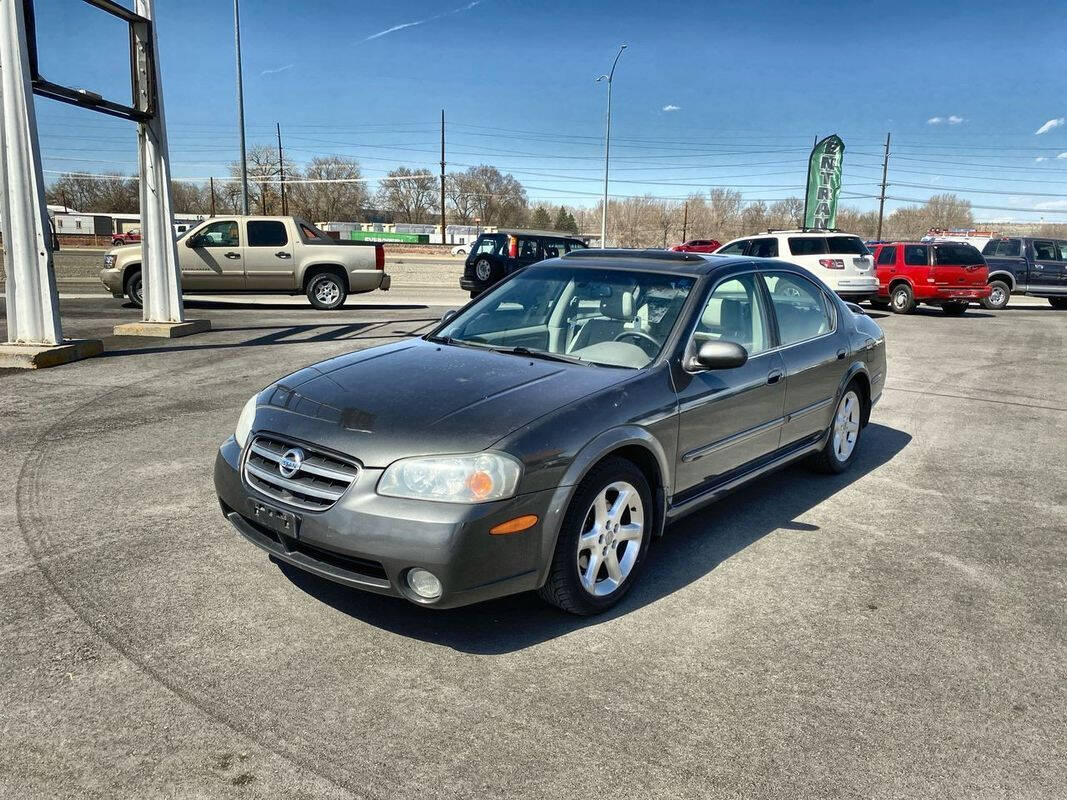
{"points": [[112, 279], [368, 542]]}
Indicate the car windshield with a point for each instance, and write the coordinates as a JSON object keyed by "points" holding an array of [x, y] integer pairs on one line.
{"points": [[606, 317]]}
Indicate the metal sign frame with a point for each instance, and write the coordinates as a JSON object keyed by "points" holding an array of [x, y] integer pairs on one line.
{"points": [[145, 92]]}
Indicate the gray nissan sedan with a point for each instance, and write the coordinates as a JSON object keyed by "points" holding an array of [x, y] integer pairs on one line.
{"points": [[543, 436]]}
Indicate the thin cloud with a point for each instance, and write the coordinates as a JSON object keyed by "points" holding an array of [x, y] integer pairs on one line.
{"points": [[404, 25], [1062, 155], [669, 107], [1052, 123], [1050, 205], [935, 121], [1039, 159], [277, 70], [949, 120]]}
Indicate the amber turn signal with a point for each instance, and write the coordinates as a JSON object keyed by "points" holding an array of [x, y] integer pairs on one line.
{"points": [[515, 525]]}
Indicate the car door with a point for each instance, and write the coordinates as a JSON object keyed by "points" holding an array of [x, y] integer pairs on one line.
{"points": [[729, 417], [527, 251], [813, 355], [1047, 266], [268, 256], [1061, 275], [211, 258]]}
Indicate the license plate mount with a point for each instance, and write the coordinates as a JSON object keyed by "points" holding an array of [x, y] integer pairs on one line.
{"points": [[278, 520]]}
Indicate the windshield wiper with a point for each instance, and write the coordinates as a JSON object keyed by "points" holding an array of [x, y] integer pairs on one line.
{"points": [[547, 356]]}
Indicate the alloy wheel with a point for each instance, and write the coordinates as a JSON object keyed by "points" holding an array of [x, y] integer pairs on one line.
{"points": [[846, 426], [610, 541], [482, 270], [996, 295], [326, 292]]}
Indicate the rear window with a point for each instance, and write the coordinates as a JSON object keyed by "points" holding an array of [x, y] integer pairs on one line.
{"points": [[956, 254], [490, 244], [1005, 248], [266, 233], [764, 248], [887, 255], [807, 245], [846, 245]]}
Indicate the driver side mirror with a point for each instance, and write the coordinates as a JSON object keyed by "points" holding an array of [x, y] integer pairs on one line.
{"points": [[194, 241], [718, 354], [449, 315]]}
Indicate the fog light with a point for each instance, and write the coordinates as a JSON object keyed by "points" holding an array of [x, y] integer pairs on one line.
{"points": [[424, 583]]}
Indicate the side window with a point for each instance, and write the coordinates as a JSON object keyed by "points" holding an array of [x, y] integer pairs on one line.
{"points": [[735, 313], [764, 248], [887, 255], [267, 233], [529, 248], [799, 306], [735, 249], [806, 245], [573, 244], [915, 255], [1045, 251], [218, 234], [1063, 249], [553, 248]]}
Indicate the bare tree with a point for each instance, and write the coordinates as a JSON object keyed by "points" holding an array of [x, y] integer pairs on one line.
{"points": [[340, 197], [409, 193], [109, 192], [495, 198], [264, 196]]}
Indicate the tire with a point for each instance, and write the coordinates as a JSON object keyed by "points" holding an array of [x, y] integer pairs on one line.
{"points": [[1058, 303], [999, 294], [902, 299], [135, 288], [117, 242], [486, 272], [569, 586], [327, 291], [840, 450], [954, 309]]}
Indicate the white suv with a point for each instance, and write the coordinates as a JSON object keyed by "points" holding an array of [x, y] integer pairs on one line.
{"points": [[841, 260]]}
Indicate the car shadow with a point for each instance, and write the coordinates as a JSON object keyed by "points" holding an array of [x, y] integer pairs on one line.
{"points": [[690, 549]]}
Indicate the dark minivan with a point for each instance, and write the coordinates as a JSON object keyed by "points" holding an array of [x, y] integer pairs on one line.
{"points": [[494, 256]]}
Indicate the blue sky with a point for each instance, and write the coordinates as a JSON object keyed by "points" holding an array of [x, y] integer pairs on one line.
{"points": [[727, 94]]}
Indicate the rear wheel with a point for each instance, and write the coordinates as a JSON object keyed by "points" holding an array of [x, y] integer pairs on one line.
{"points": [[954, 309], [487, 272], [901, 299], [845, 429], [327, 291], [999, 293], [135, 288], [603, 539], [1059, 303]]}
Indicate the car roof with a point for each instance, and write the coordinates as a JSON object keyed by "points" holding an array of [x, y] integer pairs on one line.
{"points": [[656, 260]]}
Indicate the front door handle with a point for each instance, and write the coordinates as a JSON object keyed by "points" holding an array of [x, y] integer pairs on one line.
{"points": [[841, 353], [774, 376], [232, 255], [282, 254]]}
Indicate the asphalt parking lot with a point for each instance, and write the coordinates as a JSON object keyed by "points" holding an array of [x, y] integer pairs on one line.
{"points": [[898, 631]]}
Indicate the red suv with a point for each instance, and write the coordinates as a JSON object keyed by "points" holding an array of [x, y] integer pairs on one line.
{"points": [[697, 246], [129, 237], [946, 274]]}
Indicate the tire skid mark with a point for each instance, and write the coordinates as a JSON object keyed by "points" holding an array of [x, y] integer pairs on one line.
{"points": [[34, 533]]}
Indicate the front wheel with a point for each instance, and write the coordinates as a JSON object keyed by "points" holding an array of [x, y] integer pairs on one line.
{"points": [[999, 293], [603, 540], [135, 289], [1058, 303], [327, 291], [845, 429], [954, 309]]}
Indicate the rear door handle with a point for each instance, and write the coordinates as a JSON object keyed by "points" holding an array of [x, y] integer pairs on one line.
{"points": [[233, 255], [841, 353], [282, 254], [774, 376]]}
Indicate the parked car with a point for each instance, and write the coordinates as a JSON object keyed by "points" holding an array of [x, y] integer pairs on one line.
{"points": [[1026, 265], [461, 249], [132, 236], [841, 260], [494, 256], [698, 246], [947, 274], [544, 435], [267, 255]]}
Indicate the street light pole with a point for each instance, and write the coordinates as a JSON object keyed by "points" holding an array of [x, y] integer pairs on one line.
{"points": [[607, 150], [240, 106]]}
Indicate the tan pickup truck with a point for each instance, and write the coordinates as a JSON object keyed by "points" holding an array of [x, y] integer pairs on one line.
{"points": [[263, 255]]}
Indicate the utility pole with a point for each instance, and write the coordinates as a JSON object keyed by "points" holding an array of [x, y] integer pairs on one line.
{"points": [[881, 199], [443, 239], [240, 107], [281, 169], [685, 222], [211, 181], [607, 150]]}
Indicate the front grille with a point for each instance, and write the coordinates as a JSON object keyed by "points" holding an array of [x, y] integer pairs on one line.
{"points": [[317, 484]]}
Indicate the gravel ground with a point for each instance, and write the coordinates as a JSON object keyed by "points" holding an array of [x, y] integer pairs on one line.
{"points": [[898, 631]]}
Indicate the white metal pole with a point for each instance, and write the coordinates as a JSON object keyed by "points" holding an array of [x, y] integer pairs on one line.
{"points": [[607, 151], [161, 275], [240, 106], [31, 298]]}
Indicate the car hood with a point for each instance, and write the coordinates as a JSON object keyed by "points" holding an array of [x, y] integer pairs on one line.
{"points": [[417, 397]]}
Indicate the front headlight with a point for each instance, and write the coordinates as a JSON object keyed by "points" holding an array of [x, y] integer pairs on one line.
{"points": [[477, 478], [109, 261], [244, 422]]}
